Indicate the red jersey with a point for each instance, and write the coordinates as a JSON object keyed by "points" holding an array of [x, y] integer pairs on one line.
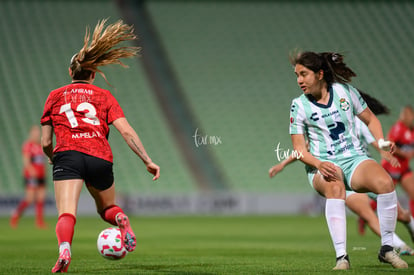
{"points": [[80, 114], [35, 153], [403, 137]]}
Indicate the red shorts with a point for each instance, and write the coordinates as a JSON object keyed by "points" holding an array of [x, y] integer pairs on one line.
{"points": [[398, 173]]}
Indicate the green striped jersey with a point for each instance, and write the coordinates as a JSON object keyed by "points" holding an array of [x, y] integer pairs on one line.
{"points": [[329, 129]]}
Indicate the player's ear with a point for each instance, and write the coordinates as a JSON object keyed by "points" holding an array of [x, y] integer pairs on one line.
{"points": [[93, 75], [320, 74], [70, 72]]}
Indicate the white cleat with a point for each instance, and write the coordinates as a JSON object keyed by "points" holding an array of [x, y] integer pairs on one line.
{"points": [[388, 255], [342, 263]]}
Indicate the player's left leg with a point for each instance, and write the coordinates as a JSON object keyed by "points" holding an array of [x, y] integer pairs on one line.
{"points": [[113, 214], [370, 176]]}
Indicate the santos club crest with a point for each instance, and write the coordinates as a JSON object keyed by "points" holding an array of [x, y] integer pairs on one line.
{"points": [[344, 104]]}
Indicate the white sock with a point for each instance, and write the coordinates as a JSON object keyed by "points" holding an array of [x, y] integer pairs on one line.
{"points": [[336, 219], [63, 246], [398, 243], [387, 215]]}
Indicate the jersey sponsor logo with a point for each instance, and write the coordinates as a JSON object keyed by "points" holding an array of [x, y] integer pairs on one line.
{"points": [[314, 116], [330, 114], [292, 120], [344, 104]]}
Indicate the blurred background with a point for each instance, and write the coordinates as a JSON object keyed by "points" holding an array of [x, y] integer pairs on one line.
{"points": [[209, 96]]}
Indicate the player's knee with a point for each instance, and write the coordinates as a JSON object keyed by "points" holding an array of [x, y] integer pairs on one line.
{"points": [[336, 190], [385, 184]]}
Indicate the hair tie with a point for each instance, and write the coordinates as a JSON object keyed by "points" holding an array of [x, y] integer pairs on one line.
{"points": [[335, 57]]}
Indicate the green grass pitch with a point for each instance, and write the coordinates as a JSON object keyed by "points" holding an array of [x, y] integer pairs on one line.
{"points": [[197, 245]]}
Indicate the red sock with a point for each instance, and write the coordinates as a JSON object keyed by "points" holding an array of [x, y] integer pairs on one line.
{"points": [[65, 227], [39, 212], [21, 207], [109, 214], [373, 205], [412, 207]]}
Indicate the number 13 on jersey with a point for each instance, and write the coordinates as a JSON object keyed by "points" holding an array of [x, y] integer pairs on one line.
{"points": [[90, 116]]}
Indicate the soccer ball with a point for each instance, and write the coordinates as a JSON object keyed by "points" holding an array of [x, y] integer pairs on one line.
{"points": [[110, 244]]}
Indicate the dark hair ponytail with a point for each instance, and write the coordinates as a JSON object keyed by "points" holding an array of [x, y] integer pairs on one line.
{"points": [[374, 104], [340, 71], [332, 65]]}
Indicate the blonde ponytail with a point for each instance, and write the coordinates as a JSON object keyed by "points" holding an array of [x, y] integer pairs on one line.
{"points": [[98, 49]]}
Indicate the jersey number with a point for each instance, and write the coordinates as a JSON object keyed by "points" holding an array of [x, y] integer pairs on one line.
{"points": [[90, 116]]}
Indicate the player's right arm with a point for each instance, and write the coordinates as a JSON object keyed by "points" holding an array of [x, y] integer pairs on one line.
{"points": [[134, 142], [47, 140], [326, 168], [297, 133]]}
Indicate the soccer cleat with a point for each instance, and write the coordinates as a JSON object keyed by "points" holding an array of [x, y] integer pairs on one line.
{"points": [[127, 235], [388, 255], [342, 263], [63, 262], [406, 251]]}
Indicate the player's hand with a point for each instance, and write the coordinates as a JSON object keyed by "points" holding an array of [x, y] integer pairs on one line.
{"points": [[328, 171], [386, 145], [390, 158], [275, 169], [153, 169]]}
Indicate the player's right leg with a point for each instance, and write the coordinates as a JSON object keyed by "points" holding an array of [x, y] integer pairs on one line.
{"points": [[335, 214], [67, 194]]}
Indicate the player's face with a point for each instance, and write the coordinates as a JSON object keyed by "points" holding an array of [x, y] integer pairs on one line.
{"points": [[35, 134], [408, 117], [308, 80]]}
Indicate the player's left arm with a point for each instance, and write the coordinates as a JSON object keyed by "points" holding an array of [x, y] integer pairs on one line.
{"points": [[374, 126], [47, 140]]}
